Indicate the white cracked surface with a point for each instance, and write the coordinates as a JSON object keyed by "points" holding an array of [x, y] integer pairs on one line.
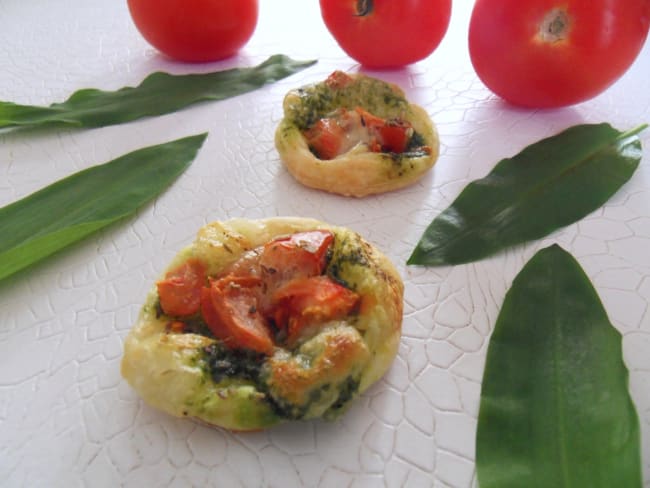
{"points": [[68, 419]]}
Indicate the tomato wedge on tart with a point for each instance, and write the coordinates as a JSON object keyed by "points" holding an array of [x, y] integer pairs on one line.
{"points": [[258, 322], [355, 135]]}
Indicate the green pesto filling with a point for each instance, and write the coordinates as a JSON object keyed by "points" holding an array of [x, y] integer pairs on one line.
{"points": [[347, 391], [319, 100], [402, 162], [228, 367], [416, 147], [223, 363], [349, 261]]}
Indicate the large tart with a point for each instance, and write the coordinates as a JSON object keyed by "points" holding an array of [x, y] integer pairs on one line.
{"points": [[263, 321]]}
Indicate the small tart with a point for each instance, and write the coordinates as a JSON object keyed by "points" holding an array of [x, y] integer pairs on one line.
{"points": [[179, 363], [362, 161]]}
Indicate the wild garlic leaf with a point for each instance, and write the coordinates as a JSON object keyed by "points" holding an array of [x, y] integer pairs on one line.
{"points": [[555, 410], [72, 208], [160, 93], [550, 184]]}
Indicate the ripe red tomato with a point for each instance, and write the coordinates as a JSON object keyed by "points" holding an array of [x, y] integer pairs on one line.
{"points": [[195, 30], [387, 33], [180, 291], [229, 307], [553, 53]]}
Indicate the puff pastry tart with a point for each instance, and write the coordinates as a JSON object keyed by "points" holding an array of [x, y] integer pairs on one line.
{"points": [[355, 135], [263, 321]]}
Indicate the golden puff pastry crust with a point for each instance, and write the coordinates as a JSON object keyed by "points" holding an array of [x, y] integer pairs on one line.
{"points": [[182, 373], [358, 171]]}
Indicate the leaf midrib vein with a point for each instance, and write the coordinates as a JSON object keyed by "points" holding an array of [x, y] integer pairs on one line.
{"points": [[525, 197], [560, 389]]}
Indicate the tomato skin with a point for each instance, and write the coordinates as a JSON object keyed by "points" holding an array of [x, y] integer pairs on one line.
{"points": [[338, 80], [195, 30], [510, 57], [311, 301], [391, 135], [180, 291], [229, 307], [302, 254], [324, 138], [390, 34]]}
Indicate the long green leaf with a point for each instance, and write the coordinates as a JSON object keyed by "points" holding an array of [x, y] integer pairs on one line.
{"points": [[74, 207], [555, 410], [550, 184], [160, 93]]}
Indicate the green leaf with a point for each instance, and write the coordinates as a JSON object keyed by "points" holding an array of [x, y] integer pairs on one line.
{"points": [[74, 207], [550, 184], [160, 93], [555, 409]]}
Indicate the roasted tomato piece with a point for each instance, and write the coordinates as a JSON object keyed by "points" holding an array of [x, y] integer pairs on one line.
{"points": [[209, 314], [325, 138], [338, 79], [386, 135], [180, 291], [311, 301], [368, 119], [394, 136], [229, 307], [344, 129], [302, 254]]}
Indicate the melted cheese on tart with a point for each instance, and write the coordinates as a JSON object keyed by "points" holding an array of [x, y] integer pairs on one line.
{"points": [[326, 144], [178, 366]]}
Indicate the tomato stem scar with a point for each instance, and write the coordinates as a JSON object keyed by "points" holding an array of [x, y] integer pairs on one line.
{"points": [[555, 26], [364, 7]]}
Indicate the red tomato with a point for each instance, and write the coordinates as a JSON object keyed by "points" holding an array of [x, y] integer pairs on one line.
{"points": [[299, 255], [552, 53], [195, 30], [180, 291], [394, 136], [311, 301], [325, 138], [338, 80], [387, 33], [229, 307], [391, 135]]}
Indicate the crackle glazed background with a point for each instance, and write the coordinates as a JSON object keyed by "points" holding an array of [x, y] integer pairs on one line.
{"points": [[68, 419]]}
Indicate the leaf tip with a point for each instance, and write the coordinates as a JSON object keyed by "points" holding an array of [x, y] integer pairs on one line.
{"points": [[421, 258], [415, 258], [199, 139]]}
